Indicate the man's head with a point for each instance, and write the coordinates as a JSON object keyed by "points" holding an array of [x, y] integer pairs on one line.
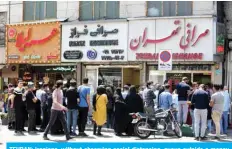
{"points": [[195, 85], [85, 81], [225, 88], [216, 87], [46, 87], [31, 86], [59, 84], [202, 86], [185, 79], [166, 86], [221, 87], [73, 83], [149, 83], [20, 83]]}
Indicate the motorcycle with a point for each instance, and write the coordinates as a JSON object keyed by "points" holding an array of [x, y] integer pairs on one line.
{"points": [[146, 124]]}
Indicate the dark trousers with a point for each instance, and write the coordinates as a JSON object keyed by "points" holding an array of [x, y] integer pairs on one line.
{"points": [[82, 120], [31, 120], [109, 119], [61, 116], [45, 117], [19, 119]]}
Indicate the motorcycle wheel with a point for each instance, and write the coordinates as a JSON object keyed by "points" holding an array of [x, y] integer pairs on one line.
{"points": [[177, 129], [142, 134]]}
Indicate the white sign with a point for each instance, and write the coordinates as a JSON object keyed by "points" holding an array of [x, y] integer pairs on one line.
{"points": [[191, 39], [165, 60], [94, 42]]}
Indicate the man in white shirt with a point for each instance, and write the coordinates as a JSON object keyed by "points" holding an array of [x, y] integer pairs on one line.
{"points": [[226, 109]]}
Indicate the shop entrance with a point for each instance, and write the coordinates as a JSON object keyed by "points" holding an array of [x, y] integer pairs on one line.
{"points": [[202, 78], [131, 76]]}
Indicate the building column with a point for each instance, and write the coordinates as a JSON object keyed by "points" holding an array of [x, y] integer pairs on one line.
{"points": [[143, 70]]}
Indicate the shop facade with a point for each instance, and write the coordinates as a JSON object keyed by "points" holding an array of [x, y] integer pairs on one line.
{"points": [[192, 42], [100, 49], [32, 46]]}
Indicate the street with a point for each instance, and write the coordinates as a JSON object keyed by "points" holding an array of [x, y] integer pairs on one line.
{"points": [[8, 136]]}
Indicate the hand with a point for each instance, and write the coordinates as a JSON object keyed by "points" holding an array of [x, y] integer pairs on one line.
{"points": [[64, 109]]}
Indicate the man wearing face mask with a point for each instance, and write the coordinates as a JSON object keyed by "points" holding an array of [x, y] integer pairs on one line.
{"points": [[149, 97]]}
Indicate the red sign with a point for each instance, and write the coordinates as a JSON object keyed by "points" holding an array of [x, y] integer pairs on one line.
{"points": [[220, 49], [24, 42], [190, 40], [175, 56]]}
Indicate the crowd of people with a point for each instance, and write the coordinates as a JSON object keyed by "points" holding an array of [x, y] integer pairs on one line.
{"points": [[65, 107]]}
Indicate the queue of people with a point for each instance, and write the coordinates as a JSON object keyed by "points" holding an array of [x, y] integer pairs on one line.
{"points": [[69, 106]]}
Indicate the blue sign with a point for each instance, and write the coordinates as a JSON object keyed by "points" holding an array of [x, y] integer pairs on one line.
{"points": [[122, 145], [92, 54]]}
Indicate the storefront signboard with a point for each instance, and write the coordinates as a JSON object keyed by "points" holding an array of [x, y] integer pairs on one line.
{"points": [[191, 39], [84, 42], [33, 43]]}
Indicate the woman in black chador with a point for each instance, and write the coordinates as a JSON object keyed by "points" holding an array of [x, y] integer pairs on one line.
{"points": [[121, 118], [135, 104]]}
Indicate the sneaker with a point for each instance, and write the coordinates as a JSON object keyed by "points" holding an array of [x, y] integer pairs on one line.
{"points": [[45, 138], [21, 133], [99, 134], [41, 130], [85, 135], [197, 138], [68, 138], [73, 134], [204, 138], [217, 138], [32, 132]]}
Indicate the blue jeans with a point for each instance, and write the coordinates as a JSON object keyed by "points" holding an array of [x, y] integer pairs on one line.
{"points": [[72, 117], [209, 126], [5, 107], [224, 122]]}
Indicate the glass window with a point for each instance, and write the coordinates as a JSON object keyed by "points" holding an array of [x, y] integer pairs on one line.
{"points": [[86, 10], [99, 10], [110, 76], [3, 20], [154, 8], [184, 8], [169, 8], [39, 10], [39, 15], [112, 9], [28, 10], [51, 9]]}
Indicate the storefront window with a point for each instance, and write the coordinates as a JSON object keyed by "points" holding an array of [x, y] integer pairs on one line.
{"points": [[191, 67], [110, 76]]}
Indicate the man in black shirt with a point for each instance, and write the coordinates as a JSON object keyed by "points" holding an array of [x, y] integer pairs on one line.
{"points": [[183, 90], [18, 106], [200, 99], [31, 108], [72, 105]]}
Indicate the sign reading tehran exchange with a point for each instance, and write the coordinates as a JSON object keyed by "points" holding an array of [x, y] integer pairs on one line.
{"points": [[94, 42]]}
